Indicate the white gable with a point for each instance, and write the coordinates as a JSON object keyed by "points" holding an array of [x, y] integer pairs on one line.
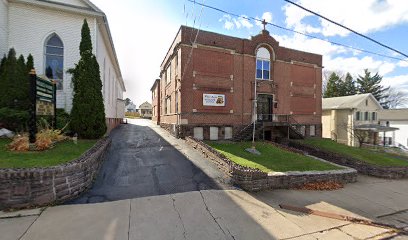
{"points": [[78, 3]]}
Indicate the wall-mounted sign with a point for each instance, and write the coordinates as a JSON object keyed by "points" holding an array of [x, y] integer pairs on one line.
{"points": [[217, 100]]}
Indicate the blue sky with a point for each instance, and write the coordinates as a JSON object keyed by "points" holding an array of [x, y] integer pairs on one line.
{"points": [[143, 31]]}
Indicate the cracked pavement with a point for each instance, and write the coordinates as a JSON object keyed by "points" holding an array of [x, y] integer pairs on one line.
{"points": [[202, 204]]}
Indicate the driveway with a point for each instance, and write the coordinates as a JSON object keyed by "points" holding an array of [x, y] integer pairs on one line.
{"points": [[141, 163]]}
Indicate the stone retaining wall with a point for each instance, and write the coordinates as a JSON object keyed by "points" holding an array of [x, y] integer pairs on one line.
{"points": [[362, 167], [251, 179], [21, 188]]}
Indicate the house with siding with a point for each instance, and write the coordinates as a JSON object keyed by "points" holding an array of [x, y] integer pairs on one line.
{"points": [[219, 86], [341, 116], [145, 110], [51, 32], [397, 118]]}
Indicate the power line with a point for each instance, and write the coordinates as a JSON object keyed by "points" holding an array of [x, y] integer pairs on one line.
{"points": [[297, 32], [196, 36], [351, 30]]}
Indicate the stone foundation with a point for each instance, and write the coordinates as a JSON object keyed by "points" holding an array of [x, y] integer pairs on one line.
{"points": [[20, 188], [183, 131], [251, 179], [278, 133], [362, 167]]}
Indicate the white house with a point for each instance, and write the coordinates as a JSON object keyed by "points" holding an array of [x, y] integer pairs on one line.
{"points": [[51, 32], [397, 118], [131, 107], [342, 115]]}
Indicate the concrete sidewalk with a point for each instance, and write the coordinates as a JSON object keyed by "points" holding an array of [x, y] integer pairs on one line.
{"points": [[207, 214], [380, 200]]}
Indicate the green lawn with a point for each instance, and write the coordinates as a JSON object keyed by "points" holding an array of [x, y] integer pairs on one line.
{"points": [[63, 152], [363, 154], [272, 159]]}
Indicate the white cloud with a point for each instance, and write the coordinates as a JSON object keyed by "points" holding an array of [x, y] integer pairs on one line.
{"points": [[300, 42], [231, 22], [400, 82], [356, 65], [403, 63], [245, 22], [363, 16]]}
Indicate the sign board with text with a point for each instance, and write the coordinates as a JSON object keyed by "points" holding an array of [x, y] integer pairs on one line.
{"points": [[217, 100], [45, 95]]}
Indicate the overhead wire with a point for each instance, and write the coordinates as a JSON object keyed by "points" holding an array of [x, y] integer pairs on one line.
{"points": [[196, 36], [347, 28], [298, 32]]}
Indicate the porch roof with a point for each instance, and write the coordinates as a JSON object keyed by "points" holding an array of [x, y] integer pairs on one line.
{"points": [[375, 128]]}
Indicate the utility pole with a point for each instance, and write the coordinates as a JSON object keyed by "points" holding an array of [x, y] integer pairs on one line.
{"points": [[254, 117], [32, 123]]}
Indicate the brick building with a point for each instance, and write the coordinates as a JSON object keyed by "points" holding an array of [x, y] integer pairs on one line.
{"points": [[207, 89]]}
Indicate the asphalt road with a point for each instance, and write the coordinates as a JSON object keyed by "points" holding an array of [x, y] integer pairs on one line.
{"points": [[142, 163]]}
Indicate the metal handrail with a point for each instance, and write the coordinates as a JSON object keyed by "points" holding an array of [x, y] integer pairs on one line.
{"points": [[246, 127]]}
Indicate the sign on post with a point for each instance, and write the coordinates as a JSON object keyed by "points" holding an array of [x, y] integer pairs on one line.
{"points": [[42, 101], [217, 100], [45, 97]]}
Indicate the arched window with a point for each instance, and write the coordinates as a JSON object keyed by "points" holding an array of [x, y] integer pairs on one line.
{"points": [[263, 64], [54, 59]]}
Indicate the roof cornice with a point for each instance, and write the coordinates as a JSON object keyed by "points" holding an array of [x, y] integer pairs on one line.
{"points": [[61, 6]]}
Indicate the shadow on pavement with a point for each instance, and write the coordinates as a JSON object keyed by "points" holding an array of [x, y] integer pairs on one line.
{"points": [[141, 163]]}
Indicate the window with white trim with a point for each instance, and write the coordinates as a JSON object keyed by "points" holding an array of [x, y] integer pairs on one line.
{"points": [[373, 116], [263, 64], [177, 102], [358, 116], [167, 109], [168, 74], [54, 59]]}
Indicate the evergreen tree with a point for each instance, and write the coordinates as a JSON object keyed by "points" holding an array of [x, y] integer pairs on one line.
{"points": [[333, 86], [372, 84], [127, 101], [22, 100], [3, 82], [30, 63], [3, 63], [88, 112], [8, 76], [348, 86]]}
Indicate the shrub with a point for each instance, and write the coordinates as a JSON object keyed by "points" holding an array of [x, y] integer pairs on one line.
{"points": [[63, 119], [19, 144], [45, 139], [15, 120], [14, 84]]}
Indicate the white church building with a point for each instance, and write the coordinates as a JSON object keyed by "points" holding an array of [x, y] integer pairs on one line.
{"points": [[51, 32]]}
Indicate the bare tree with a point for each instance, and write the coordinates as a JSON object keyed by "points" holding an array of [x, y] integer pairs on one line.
{"points": [[396, 98], [361, 135]]}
